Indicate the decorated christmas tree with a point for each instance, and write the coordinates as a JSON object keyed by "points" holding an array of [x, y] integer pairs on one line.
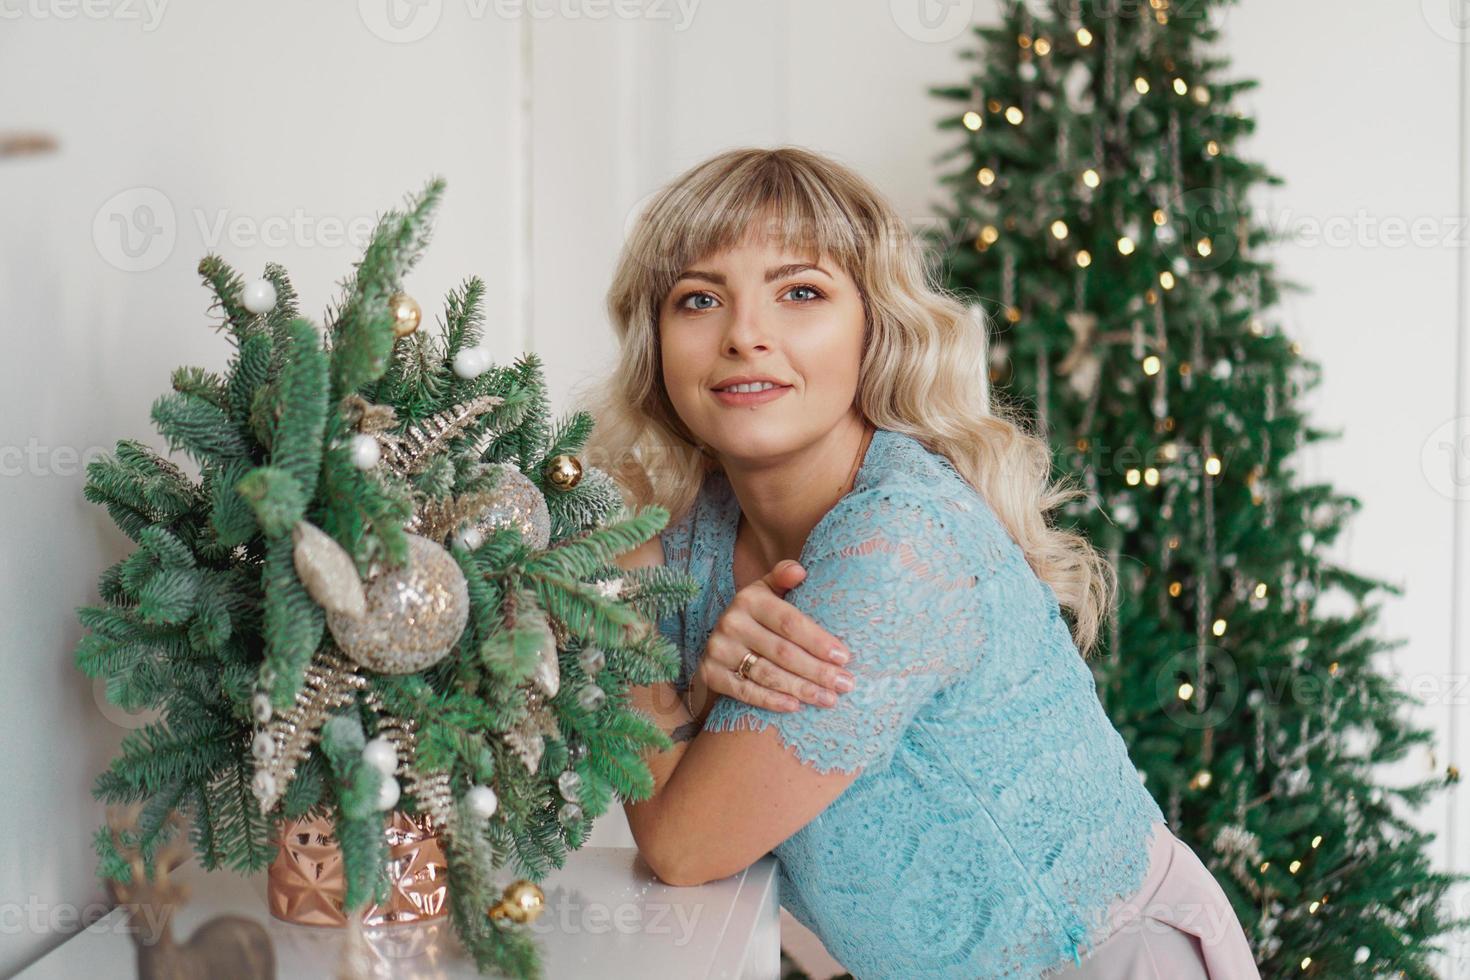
{"points": [[1100, 212], [390, 589]]}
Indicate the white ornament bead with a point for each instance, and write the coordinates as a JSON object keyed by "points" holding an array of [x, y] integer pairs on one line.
{"points": [[568, 783], [263, 747], [471, 362], [260, 706], [258, 296], [365, 451], [591, 697], [469, 538], [1361, 956], [388, 793], [592, 660], [263, 785], [381, 754], [482, 801]]}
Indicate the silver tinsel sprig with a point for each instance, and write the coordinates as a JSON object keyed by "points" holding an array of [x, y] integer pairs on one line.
{"points": [[411, 451], [1242, 852], [331, 683], [437, 519], [429, 788]]}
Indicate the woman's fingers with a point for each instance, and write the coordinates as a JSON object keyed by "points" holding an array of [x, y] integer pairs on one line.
{"points": [[752, 692], [721, 679], [784, 664], [784, 619]]}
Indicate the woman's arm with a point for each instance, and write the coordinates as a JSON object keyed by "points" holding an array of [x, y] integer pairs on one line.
{"points": [[663, 706], [733, 800]]}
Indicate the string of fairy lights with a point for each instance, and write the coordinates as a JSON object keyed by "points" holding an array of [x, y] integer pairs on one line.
{"points": [[1239, 848]]}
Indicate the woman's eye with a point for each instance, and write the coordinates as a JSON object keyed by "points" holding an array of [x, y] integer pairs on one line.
{"points": [[816, 294], [684, 303]]}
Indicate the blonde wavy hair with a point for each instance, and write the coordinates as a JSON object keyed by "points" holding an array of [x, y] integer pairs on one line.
{"points": [[925, 363]]}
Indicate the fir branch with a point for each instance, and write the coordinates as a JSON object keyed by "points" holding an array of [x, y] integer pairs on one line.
{"points": [[362, 328], [297, 448], [200, 428], [464, 319], [231, 516], [580, 557], [248, 374], [293, 622], [359, 825], [280, 316], [198, 382], [227, 285]]}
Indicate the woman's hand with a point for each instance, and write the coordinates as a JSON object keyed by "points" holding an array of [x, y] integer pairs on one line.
{"points": [[798, 661]]}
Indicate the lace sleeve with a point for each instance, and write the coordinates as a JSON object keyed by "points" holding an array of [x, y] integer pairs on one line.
{"points": [[887, 576], [676, 541]]}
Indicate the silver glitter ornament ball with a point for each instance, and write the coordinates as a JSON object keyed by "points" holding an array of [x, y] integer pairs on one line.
{"points": [[415, 613], [518, 504]]}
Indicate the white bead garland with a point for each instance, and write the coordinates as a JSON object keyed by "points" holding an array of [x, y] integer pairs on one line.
{"points": [[471, 362], [382, 755], [388, 793], [482, 801], [365, 451], [258, 296]]}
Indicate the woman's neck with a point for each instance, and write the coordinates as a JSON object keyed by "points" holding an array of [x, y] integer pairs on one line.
{"points": [[782, 500]]}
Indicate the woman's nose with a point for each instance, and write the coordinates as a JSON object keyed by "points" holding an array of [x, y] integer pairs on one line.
{"points": [[746, 329]]}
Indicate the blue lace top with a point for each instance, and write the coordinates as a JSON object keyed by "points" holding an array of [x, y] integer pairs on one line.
{"points": [[997, 813]]}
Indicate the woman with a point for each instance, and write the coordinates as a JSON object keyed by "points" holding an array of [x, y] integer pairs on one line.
{"points": [[880, 685]]}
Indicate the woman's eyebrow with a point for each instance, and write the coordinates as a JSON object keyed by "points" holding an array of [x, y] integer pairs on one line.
{"points": [[779, 272]]}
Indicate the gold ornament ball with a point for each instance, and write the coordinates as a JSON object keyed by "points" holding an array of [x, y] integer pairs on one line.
{"points": [[414, 614], [564, 471], [500, 913], [406, 314], [523, 900]]}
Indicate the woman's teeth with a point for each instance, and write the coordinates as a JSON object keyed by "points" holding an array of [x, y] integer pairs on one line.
{"points": [[763, 386]]}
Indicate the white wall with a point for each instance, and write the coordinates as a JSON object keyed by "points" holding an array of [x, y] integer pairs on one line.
{"points": [[1374, 204], [551, 130]]}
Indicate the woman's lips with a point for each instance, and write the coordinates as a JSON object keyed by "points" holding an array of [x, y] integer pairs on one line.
{"points": [[739, 399]]}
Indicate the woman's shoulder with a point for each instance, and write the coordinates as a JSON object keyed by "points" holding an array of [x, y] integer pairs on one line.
{"points": [[905, 491]]}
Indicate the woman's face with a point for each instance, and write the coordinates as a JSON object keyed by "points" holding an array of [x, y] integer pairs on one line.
{"points": [[759, 310]]}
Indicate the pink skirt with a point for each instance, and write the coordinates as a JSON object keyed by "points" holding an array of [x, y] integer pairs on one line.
{"points": [[1178, 926]]}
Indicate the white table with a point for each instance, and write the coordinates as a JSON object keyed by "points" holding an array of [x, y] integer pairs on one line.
{"points": [[606, 916]]}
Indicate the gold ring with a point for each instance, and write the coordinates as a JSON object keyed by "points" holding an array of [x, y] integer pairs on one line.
{"points": [[744, 669]]}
